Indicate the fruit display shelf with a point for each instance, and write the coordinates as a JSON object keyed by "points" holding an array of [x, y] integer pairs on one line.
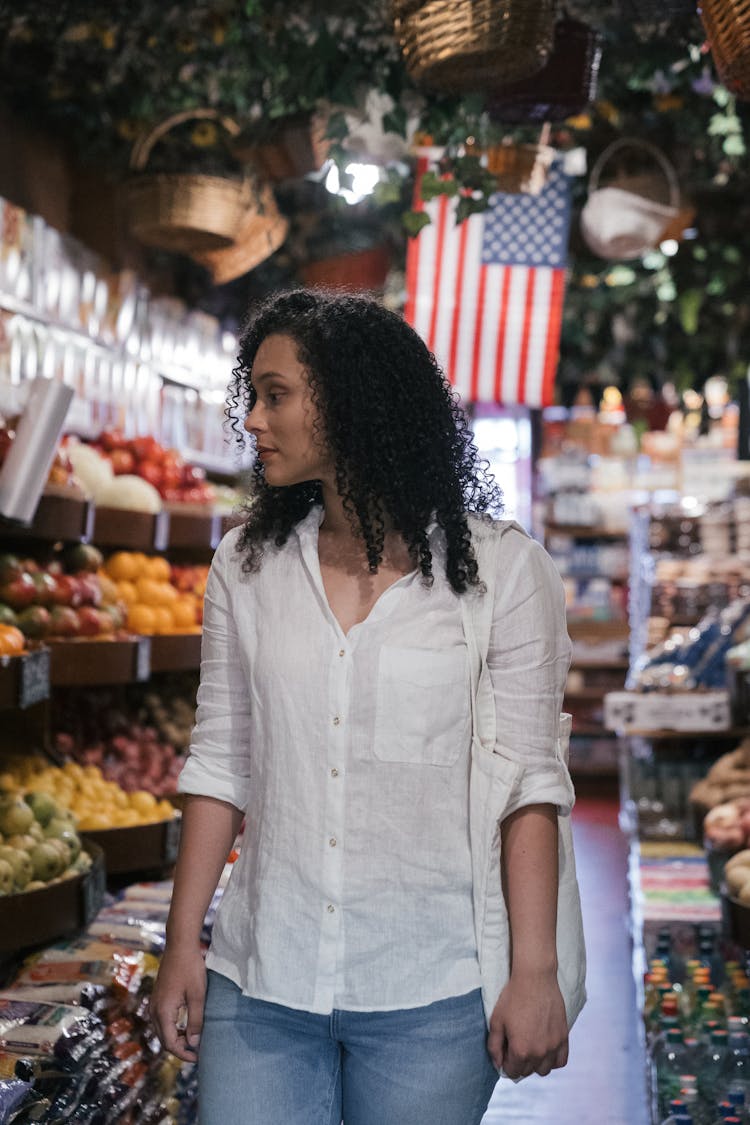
{"points": [[140, 848], [89, 661], [32, 918], [176, 652], [193, 528], [58, 517], [24, 679], [135, 531]]}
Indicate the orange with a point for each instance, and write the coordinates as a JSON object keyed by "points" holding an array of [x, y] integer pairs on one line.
{"points": [[163, 620], [143, 801], [159, 569], [169, 593], [141, 618], [149, 591], [127, 592], [12, 640], [122, 566], [183, 613]]}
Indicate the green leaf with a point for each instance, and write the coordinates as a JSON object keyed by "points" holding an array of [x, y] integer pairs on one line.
{"points": [[433, 185], [414, 221], [470, 205], [688, 305]]}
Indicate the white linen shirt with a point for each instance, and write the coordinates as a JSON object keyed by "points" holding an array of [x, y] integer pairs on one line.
{"points": [[350, 756]]}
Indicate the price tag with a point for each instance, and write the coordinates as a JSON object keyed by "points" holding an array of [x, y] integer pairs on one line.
{"points": [[172, 839], [143, 659], [93, 888], [34, 679], [161, 531]]}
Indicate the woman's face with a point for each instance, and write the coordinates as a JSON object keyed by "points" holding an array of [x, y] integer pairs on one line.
{"points": [[284, 419]]}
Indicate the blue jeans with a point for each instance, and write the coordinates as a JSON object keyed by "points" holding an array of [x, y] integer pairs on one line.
{"points": [[265, 1064]]}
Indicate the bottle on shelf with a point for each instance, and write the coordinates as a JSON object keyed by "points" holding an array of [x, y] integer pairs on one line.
{"points": [[670, 1063], [711, 1067], [737, 1064]]}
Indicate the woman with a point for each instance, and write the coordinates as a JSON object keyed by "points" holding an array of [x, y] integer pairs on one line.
{"points": [[335, 715]]}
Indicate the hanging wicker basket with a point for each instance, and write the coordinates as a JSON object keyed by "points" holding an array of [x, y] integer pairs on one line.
{"points": [[521, 168], [467, 45], [262, 233], [185, 212], [299, 146], [727, 24], [629, 213], [563, 87]]}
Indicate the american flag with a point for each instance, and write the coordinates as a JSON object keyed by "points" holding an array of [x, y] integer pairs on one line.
{"points": [[486, 295]]}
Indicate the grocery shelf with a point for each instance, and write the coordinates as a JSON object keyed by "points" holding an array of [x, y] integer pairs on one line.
{"points": [[596, 665], [143, 847], [24, 679], [129, 530], [86, 662], [582, 531], [33, 918], [668, 733], [189, 528], [176, 652], [69, 518], [598, 630]]}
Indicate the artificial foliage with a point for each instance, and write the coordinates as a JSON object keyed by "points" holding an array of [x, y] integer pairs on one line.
{"points": [[103, 74]]}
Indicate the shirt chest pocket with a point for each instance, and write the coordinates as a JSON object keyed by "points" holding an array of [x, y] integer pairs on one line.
{"points": [[423, 706]]}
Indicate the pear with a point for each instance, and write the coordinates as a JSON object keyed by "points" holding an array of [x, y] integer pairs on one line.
{"points": [[24, 841], [6, 877], [35, 885], [15, 815], [47, 861], [36, 831], [21, 863], [42, 806]]}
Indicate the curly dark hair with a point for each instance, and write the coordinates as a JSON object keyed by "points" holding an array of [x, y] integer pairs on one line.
{"points": [[401, 445]]}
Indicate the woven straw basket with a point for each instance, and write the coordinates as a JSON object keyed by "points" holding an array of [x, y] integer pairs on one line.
{"points": [[185, 212], [727, 24], [464, 45], [261, 234]]}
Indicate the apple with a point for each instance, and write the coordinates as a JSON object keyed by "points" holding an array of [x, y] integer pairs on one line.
{"points": [[43, 807], [63, 621], [89, 622], [116, 616], [90, 589], [10, 567], [145, 448], [110, 440], [16, 815], [7, 615], [20, 862], [6, 877], [192, 475], [152, 472], [46, 587], [34, 622], [83, 557], [122, 461], [19, 591], [67, 590], [46, 860]]}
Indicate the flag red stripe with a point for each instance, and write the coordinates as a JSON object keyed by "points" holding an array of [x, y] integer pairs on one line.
{"points": [[501, 334], [412, 248], [463, 235], [554, 324], [478, 324], [526, 337], [439, 248]]}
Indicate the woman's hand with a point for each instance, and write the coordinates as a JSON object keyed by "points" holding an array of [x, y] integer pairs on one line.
{"points": [[528, 1028], [177, 1001]]}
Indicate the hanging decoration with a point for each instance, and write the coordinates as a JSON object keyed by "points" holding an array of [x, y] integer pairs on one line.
{"points": [[185, 212], [487, 294], [625, 218], [727, 24], [467, 45], [563, 87]]}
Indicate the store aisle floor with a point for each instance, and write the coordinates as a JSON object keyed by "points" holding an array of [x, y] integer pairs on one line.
{"points": [[604, 1078]]}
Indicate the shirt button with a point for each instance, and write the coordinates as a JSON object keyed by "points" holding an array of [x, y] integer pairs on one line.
{"points": [[332, 842], [334, 772], [336, 720], [342, 652], [330, 908]]}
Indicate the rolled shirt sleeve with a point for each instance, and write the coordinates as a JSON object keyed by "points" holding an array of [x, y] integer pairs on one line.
{"points": [[218, 763], [528, 659]]}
